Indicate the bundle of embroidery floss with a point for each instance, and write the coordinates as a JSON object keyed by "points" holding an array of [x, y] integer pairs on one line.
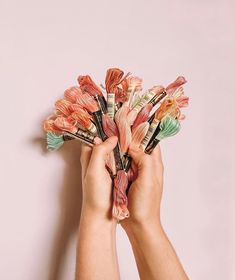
{"points": [[90, 113]]}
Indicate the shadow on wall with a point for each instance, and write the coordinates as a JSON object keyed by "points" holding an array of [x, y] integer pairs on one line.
{"points": [[70, 205]]}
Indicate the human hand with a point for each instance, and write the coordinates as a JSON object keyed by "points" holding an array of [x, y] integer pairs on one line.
{"points": [[96, 180], [96, 247], [145, 193], [155, 256]]}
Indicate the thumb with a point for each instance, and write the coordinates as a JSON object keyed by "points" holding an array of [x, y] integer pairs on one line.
{"points": [[108, 145], [140, 159], [100, 152], [136, 153]]}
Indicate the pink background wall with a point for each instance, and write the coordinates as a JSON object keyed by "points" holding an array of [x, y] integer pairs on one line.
{"points": [[44, 46]]}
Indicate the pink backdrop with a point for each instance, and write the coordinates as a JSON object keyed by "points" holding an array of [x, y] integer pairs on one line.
{"points": [[44, 46]]}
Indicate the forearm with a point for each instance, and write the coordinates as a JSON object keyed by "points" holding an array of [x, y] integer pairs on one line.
{"points": [[96, 248], [154, 254]]}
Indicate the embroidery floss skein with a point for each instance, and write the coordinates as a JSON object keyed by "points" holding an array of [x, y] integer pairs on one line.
{"points": [[55, 141], [168, 127]]}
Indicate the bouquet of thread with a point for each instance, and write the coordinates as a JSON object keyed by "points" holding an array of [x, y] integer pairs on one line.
{"points": [[90, 113]]}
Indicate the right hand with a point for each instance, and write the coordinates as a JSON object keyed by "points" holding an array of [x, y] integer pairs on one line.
{"points": [[145, 192]]}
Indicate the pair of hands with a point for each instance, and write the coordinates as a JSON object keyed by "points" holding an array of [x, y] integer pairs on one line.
{"points": [[155, 256], [145, 192]]}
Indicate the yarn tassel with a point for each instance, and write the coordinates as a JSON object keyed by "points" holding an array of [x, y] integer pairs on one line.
{"points": [[174, 85], [62, 108], [121, 117], [116, 88], [109, 126], [123, 128], [134, 85], [55, 141], [138, 106], [83, 119], [49, 126], [148, 100], [89, 86], [168, 106], [73, 94], [142, 116], [181, 99], [169, 126], [120, 210], [139, 133], [65, 124], [113, 78], [110, 129], [69, 126]]}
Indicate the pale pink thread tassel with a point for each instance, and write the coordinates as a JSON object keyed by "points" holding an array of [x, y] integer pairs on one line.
{"points": [[120, 210]]}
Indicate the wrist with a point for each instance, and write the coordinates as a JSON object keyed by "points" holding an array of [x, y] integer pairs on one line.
{"points": [[145, 235], [134, 228], [96, 206], [94, 217]]}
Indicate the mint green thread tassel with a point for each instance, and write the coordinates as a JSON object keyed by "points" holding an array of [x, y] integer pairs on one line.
{"points": [[168, 127], [54, 141]]}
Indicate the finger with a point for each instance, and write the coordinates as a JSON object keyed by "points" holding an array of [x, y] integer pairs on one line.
{"points": [[86, 152], [134, 151], [142, 161], [100, 152]]}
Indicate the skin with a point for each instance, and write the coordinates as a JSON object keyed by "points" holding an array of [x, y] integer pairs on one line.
{"points": [[96, 248], [155, 256]]}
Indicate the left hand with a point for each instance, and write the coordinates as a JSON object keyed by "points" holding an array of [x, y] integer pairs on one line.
{"points": [[96, 180]]}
